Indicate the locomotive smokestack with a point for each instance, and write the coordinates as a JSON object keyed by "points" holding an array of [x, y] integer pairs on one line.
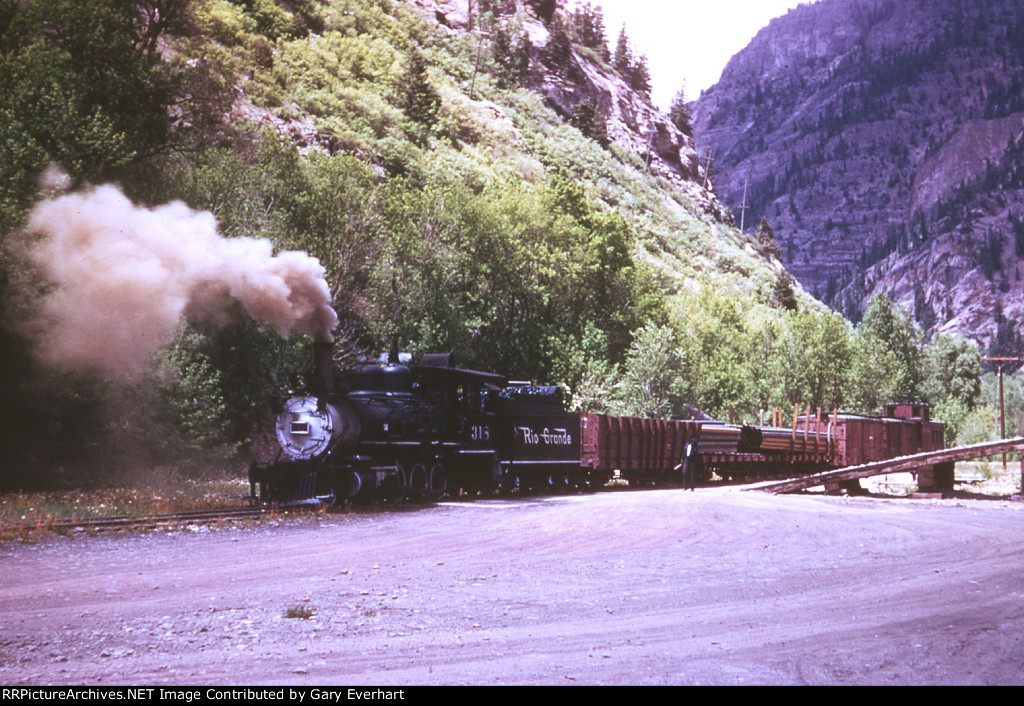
{"points": [[323, 365]]}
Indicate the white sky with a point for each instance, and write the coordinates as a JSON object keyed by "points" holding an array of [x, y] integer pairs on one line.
{"points": [[688, 42]]}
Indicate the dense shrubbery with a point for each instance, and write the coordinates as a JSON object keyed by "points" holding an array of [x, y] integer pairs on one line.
{"points": [[488, 227], [737, 360]]}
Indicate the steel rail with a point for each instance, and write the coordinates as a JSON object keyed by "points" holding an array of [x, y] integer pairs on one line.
{"points": [[191, 516]]}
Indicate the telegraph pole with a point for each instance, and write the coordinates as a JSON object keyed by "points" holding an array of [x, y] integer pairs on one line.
{"points": [[650, 139], [480, 45], [1001, 362], [743, 208], [707, 166]]}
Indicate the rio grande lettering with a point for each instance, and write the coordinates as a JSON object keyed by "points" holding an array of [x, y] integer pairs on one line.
{"points": [[556, 437]]}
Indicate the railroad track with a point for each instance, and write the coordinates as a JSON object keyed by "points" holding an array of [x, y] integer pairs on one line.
{"points": [[170, 519]]}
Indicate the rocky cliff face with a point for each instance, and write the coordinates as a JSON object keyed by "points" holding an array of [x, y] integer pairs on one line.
{"points": [[632, 121], [883, 140]]}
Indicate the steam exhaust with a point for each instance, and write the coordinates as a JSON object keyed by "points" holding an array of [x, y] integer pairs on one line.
{"points": [[121, 277]]}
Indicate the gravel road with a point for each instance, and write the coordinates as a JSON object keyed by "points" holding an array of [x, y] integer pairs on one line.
{"points": [[718, 586]]}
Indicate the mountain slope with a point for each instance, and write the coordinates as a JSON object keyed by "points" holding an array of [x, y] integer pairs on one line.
{"points": [[881, 140]]}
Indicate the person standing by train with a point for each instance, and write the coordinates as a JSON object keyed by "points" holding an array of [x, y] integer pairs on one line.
{"points": [[689, 465]]}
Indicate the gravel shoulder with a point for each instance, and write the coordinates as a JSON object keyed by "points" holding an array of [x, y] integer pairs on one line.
{"points": [[718, 586]]}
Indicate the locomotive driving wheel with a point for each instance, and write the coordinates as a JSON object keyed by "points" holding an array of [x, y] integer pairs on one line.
{"points": [[419, 480], [396, 485], [437, 481]]}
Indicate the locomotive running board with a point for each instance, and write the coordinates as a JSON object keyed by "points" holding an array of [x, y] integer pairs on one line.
{"points": [[896, 465]]}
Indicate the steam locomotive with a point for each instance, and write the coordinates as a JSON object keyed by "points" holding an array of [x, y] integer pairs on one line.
{"points": [[416, 431], [398, 431]]}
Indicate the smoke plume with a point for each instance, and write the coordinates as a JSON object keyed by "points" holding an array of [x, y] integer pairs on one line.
{"points": [[122, 277]]}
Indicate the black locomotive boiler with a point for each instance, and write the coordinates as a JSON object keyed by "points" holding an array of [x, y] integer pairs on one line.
{"points": [[418, 431]]}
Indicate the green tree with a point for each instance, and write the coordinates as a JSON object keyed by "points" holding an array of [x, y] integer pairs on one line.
{"points": [[979, 425], [639, 77], [1013, 399], [873, 378], [766, 241], [824, 355], [193, 402], [588, 28], [609, 287], [715, 343], [768, 372], [273, 20], [783, 292], [951, 371], [651, 384], [595, 388], [80, 86], [622, 60], [511, 55], [557, 54], [420, 100], [336, 214], [679, 114], [892, 326], [588, 120], [246, 181], [952, 380]]}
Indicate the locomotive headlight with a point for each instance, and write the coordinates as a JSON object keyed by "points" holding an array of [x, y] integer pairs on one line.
{"points": [[306, 429]]}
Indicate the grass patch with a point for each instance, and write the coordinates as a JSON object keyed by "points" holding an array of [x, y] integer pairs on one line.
{"points": [[25, 514], [988, 477], [300, 612]]}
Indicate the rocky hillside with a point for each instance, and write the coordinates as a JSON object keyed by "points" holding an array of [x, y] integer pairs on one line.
{"points": [[631, 120], [883, 142]]}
